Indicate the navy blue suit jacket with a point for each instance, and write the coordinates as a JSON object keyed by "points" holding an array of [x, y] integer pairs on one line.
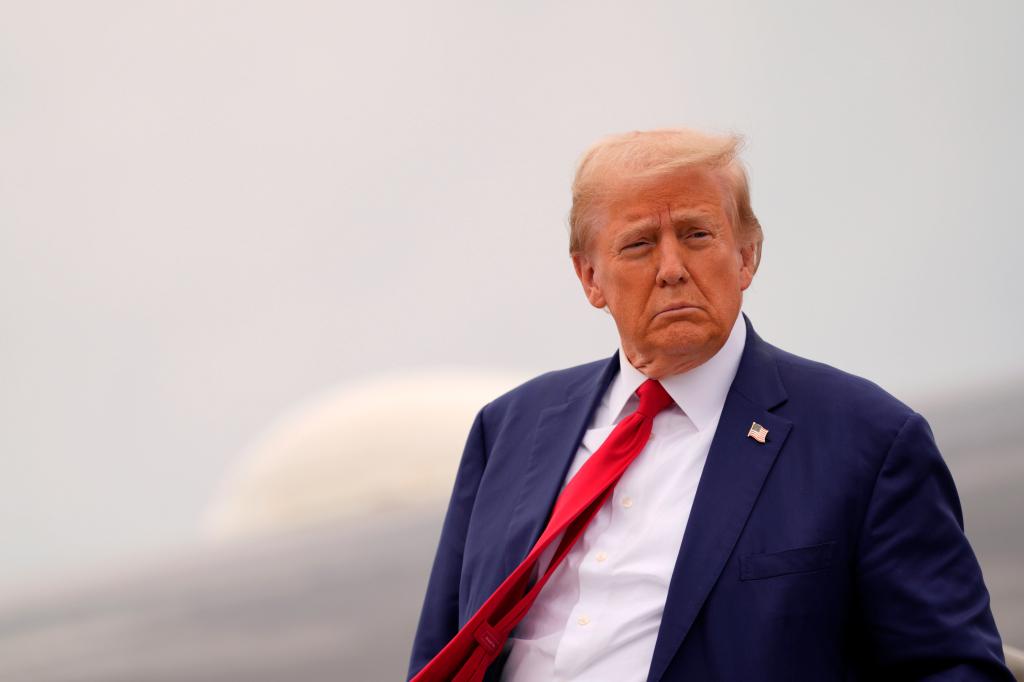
{"points": [[834, 551]]}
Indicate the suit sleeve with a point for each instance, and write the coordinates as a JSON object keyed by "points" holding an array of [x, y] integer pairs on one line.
{"points": [[924, 607], [439, 618]]}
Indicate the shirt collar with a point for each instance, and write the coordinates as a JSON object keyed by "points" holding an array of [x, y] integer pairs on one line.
{"points": [[699, 392]]}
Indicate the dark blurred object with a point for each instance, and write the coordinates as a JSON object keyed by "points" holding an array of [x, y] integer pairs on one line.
{"points": [[324, 604], [979, 436]]}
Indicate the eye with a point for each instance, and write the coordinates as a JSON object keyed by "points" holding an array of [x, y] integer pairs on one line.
{"points": [[636, 245], [699, 234]]}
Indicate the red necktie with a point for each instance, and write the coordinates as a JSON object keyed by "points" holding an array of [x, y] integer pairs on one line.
{"points": [[466, 657]]}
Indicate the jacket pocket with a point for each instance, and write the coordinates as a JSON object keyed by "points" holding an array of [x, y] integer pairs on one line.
{"points": [[798, 560]]}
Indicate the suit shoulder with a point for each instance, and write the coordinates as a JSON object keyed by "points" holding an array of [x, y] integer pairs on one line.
{"points": [[828, 390], [548, 388]]}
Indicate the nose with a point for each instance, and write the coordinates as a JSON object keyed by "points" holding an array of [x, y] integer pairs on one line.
{"points": [[671, 269]]}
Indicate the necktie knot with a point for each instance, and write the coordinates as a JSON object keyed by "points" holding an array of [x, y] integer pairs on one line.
{"points": [[653, 398]]}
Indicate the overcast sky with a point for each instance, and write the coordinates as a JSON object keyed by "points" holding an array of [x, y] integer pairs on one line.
{"points": [[211, 210]]}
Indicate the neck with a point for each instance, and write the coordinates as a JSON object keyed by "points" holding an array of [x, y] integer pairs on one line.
{"points": [[659, 366]]}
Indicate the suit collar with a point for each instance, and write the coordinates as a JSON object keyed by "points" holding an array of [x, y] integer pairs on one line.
{"points": [[591, 387], [757, 377]]}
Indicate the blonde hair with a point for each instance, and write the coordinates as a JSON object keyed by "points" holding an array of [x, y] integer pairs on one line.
{"points": [[638, 157]]}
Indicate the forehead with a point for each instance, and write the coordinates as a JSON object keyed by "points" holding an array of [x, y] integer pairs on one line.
{"points": [[689, 190]]}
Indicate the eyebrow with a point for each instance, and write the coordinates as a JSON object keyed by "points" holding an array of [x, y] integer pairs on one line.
{"points": [[641, 229], [688, 216]]}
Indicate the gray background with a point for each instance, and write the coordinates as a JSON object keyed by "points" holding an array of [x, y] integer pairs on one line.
{"points": [[212, 210]]}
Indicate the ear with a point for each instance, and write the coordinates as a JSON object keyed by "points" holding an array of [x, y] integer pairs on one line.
{"points": [[747, 254], [585, 271]]}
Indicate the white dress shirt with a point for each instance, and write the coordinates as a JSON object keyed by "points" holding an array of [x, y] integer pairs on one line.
{"points": [[598, 616]]}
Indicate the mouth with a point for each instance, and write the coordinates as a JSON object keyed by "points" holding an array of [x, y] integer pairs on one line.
{"points": [[675, 308]]}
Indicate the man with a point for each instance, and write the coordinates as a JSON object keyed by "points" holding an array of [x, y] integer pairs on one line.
{"points": [[782, 520]]}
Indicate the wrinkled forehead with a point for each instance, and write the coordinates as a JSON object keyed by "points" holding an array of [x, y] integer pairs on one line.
{"points": [[683, 193]]}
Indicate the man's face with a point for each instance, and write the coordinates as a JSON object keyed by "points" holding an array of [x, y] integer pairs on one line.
{"points": [[666, 262]]}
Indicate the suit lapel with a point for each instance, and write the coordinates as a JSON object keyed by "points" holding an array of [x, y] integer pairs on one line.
{"points": [[554, 443], [733, 475]]}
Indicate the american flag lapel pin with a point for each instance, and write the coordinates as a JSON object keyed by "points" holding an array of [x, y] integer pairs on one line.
{"points": [[757, 432]]}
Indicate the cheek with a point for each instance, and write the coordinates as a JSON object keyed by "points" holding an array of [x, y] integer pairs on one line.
{"points": [[626, 296], [722, 286], [727, 268], [630, 285]]}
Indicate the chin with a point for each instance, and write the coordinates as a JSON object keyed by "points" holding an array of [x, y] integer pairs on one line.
{"points": [[685, 339]]}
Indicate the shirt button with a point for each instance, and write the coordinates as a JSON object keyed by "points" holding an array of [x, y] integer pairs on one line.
{"points": [[627, 502], [583, 620], [601, 556]]}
